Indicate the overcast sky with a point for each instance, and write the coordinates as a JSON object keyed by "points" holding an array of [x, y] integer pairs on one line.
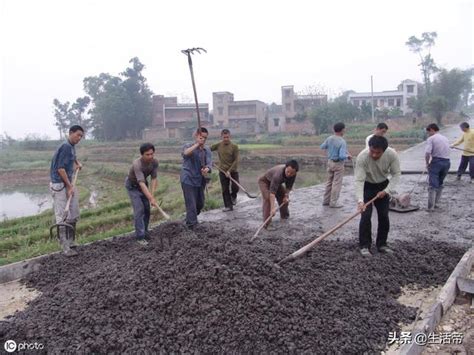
{"points": [[254, 47]]}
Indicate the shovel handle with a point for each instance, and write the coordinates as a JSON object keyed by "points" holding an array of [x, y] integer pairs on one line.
{"points": [[163, 213], [235, 182], [266, 221], [310, 245], [68, 203]]}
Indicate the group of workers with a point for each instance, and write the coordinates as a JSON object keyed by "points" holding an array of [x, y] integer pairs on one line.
{"points": [[376, 171]]}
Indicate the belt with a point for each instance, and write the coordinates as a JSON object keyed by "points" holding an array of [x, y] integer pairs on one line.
{"points": [[335, 160]]}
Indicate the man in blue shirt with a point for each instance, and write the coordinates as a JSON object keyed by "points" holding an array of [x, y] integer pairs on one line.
{"points": [[337, 154], [63, 165], [197, 163]]}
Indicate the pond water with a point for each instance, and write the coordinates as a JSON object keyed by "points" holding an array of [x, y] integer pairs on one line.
{"points": [[14, 204]]}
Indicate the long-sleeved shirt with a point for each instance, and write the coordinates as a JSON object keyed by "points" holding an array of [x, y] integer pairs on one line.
{"points": [[140, 171], [192, 165], [468, 139], [336, 147], [437, 146], [228, 155], [276, 176], [377, 171]]}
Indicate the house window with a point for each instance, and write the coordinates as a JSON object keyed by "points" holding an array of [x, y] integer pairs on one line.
{"points": [[410, 89], [287, 93], [356, 102], [221, 111], [288, 107], [363, 102], [382, 102], [399, 102], [288, 120], [390, 102], [276, 122]]}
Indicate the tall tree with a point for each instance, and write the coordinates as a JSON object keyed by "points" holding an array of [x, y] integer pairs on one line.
{"points": [[437, 106], [121, 107], [454, 85], [61, 115], [422, 47]]}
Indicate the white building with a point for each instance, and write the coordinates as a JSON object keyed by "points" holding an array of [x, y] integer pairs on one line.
{"points": [[388, 99]]}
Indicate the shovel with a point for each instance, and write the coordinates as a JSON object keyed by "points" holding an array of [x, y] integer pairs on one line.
{"points": [[70, 229], [266, 221], [309, 246], [464, 150], [236, 182]]}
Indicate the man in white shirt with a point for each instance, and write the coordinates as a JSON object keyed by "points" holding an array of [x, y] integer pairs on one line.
{"points": [[373, 168], [380, 130]]}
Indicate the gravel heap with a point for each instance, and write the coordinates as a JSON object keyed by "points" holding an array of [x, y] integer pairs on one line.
{"points": [[211, 291]]}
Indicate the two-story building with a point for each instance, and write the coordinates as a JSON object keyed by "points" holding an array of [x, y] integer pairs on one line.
{"points": [[246, 116], [171, 119], [388, 99]]}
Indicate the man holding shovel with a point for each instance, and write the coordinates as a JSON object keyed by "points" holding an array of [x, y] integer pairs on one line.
{"points": [[197, 163], [271, 187], [137, 188], [228, 153], [372, 171], [63, 166], [467, 156]]}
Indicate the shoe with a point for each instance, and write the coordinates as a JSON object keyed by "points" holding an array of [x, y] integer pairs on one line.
{"points": [[365, 252], [70, 252], [142, 242], [325, 204], [270, 228], [233, 200], [458, 177], [335, 206], [147, 236], [228, 209], [385, 250]]}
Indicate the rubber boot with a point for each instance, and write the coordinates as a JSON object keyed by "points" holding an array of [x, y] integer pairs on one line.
{"points": [[431, 199], [72, 236], [438, 197]]}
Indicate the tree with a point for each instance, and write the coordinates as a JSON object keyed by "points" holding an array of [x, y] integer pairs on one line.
{"points": [[437, 106], [422, 46], [78, 112], [417, 104], [61, 115], [454, 85], [121, 107]]}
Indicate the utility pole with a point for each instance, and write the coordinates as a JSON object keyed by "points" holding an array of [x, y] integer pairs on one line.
{"points": [[372, 100]]}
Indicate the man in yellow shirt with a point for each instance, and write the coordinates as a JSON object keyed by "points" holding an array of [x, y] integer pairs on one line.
{"points": [[467, 156]]}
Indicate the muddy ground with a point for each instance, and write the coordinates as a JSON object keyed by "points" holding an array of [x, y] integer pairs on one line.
{"points": [[212, 291]]}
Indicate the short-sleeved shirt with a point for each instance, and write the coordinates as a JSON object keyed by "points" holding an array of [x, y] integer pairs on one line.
{"points": [[63, 158], [437, 146], [275, 177], [228, 155], [140, 171], [192, 165]]}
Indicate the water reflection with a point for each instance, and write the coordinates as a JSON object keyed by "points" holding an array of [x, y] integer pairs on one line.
{"points": [[14, 204]]}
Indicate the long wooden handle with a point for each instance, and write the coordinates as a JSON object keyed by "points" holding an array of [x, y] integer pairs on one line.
{"points": [[231, 178], [68, 203], [266, 221], [308, 246], [464, 150], [163, 213]]}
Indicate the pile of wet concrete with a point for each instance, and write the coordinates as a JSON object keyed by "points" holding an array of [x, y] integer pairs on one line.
{"points": [[211, 291]]}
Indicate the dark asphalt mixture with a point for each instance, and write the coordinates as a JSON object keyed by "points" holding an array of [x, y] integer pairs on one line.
{"points": [[211, 291]]}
